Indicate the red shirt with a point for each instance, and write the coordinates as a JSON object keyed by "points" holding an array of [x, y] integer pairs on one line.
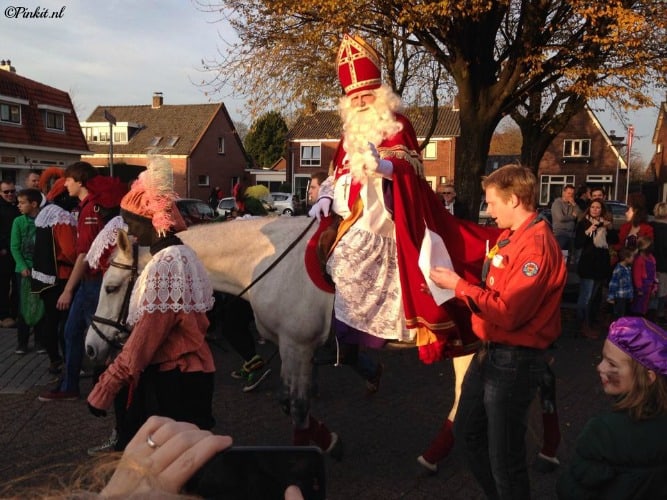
{"points": [[89, 224], [521, 302]]}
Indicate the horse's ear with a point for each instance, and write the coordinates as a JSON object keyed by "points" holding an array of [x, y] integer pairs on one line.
{"points": [[124, 242]]}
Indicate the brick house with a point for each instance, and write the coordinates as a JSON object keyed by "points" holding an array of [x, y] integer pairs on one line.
{"points": [[583, 153], [659, 160], [312, 142], [38, 126], [199, 140]]}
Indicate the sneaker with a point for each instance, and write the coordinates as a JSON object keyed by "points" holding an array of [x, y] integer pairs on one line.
{"points": [[58, 396], [41, 350], [56, 367], [107, 447], [255, 378], [255, 363], [428, 466], [21, 350], [545, 464]]}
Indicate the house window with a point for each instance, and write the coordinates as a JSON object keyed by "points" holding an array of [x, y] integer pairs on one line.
{"points": [[221, 145], [443, 179], [10, 113], [203, 180], [154, 141], [551, 187], [120, 136], [171, 141], [54, 121], [430, 152], [310, 155], [577, 148]]}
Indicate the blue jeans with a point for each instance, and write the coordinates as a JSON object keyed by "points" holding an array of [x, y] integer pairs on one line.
{"points": [[497, 390], [587, 289], [80, 316]]}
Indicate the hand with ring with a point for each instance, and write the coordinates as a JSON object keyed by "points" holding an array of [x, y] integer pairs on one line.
{"points": [[162, 456]]}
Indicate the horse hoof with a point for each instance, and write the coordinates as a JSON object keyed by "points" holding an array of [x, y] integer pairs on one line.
{"points": [[335, 449]]}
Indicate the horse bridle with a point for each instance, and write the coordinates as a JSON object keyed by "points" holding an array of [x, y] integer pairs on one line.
{"points": [[120, 324]]}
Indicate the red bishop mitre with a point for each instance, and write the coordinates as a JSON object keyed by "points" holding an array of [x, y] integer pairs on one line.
{"points": [[358, 65]]}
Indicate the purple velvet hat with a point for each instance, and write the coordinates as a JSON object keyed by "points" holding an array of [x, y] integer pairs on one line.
{"points": [[641, 340]]}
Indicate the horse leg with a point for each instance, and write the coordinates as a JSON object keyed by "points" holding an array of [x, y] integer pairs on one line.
{"points": [[295, 401], [443, 442]]}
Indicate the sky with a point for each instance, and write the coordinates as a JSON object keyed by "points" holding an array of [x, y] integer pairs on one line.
{"points": [[118, 52]]}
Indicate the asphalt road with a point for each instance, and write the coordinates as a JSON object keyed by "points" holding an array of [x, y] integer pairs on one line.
{"points": [[383, 434]]}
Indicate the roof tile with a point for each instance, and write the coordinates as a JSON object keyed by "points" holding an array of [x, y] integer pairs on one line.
{"points": [[32, 130], [187, 121], [326, 124]]}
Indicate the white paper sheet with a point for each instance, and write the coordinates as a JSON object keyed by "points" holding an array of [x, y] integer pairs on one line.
{"points": [[434, 253]]}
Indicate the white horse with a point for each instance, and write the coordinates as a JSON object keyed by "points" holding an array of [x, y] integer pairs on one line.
{"points": [[290, 310]]}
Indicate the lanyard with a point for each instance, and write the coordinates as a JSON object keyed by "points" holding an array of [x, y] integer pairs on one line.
{"points": [[492, 253]]}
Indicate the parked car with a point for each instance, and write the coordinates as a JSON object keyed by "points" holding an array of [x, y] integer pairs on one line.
{"points": [[195, 211], [284, 203], [484, 218], [618, 209], [225, 206]]}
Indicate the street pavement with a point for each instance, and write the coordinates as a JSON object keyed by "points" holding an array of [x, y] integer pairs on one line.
{"points": [[382, 434]]}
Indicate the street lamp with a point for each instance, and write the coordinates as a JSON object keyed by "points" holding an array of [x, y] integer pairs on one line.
{"points": [[617, 142]]}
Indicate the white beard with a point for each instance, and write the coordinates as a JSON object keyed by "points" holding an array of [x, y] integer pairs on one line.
{"points": [[361, 127]]}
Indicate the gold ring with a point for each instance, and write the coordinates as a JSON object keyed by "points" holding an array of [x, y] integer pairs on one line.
{"points": [[150, 442]]}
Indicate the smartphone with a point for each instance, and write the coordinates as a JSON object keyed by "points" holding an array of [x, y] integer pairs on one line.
{"points": [[261, 473]]}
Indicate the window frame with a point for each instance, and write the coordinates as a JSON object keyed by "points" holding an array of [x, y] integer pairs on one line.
{"points": [[9, 106], [549, 182], [54, 116], [574, 148], [310, 161], [430, 151]]}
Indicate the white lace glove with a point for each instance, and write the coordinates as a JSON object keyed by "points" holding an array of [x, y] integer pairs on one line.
{"points": [[320, 208], [383, 167]]}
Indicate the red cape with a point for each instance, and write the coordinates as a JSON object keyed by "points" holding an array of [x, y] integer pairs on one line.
{"points": [[441, 330]]}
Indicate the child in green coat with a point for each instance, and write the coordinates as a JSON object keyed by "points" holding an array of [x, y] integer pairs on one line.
{"points": [[22, 247]]}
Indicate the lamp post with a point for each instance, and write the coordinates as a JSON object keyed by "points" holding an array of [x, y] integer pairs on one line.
{"points": [[631, 134], [112, 121], [617, 142]]}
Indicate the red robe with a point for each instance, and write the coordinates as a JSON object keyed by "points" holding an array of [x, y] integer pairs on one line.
{"points": [[441, 330]]}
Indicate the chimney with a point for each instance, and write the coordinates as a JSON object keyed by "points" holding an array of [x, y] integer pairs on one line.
{"points": [[157, 100], [6, 65]]}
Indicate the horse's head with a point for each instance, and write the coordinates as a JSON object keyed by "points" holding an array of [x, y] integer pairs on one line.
{"points": [[108, 328]]}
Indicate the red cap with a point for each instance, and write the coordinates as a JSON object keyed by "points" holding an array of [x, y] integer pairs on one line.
{"points": [[358, 66]]}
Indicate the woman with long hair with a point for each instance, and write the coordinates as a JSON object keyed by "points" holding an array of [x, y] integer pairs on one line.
{"points": [[593, 266]]}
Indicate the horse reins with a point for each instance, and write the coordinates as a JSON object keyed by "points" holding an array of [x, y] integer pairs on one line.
{"points": [[278, 259], [120, 324]]}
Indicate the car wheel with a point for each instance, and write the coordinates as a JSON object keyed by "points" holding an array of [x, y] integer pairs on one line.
{"points": [[287, 211]]}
